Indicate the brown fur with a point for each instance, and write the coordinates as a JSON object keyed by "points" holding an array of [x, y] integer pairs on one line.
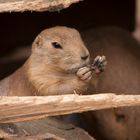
{"points": [[50, 71], [122, 76]]}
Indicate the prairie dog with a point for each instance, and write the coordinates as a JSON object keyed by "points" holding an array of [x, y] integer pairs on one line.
{"points": [[122, 76], [57, 65]]}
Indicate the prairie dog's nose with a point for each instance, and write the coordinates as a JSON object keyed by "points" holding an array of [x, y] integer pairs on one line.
{"points": [[84, 57]]}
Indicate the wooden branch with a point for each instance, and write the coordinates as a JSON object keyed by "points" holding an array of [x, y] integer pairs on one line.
{"points": [[34, 5], [16, 109]]}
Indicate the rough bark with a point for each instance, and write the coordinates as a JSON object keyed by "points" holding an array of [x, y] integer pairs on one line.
{"points": [[34, 5]]}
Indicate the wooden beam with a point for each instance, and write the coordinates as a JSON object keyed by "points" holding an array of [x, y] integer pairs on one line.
{"points": [[16, 109], [34, 5]]}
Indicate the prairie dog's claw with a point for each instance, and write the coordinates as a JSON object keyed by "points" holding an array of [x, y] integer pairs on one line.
{"points": [[99, 64]]}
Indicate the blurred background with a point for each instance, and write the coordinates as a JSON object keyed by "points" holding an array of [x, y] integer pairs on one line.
{"points": [[18, 30]]}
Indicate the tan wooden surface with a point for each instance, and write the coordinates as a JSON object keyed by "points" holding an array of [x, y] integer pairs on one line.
{"points": [[43, 129], [16, 109]]}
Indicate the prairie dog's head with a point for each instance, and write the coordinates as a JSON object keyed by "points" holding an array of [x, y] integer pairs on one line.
{"points": [[61, 47]]}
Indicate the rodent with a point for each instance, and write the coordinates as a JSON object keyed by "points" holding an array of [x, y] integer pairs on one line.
{"points": [[122, 76], [57, 65]]}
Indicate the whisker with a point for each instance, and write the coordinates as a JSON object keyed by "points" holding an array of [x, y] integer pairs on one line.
{"points": [[67, 58]]}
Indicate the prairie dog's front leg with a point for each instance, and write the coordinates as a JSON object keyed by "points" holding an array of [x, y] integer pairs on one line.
{"points": [[88, 78], [85, 74], [89, 75], [98, 66]]}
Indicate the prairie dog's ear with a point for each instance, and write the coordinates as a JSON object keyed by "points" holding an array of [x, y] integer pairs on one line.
{"points": [[37, 42]]}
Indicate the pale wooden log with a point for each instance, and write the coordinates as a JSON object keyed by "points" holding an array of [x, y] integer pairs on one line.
{"points": [[16, 109], [46, 136], [34, 5]]}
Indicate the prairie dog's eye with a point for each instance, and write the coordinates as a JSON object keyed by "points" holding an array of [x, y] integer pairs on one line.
{"points": [[56, 45]]}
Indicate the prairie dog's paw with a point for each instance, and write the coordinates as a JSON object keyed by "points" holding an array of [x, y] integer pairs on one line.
{"points": [[99, 64], [85, 74]]}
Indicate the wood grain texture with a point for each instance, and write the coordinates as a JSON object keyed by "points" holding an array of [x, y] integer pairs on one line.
{"points": [[43, 129], [16, 109], [34, 5]]}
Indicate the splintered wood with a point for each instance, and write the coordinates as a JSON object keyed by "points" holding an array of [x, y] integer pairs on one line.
{"points": [[34, 5], [16, 109]]}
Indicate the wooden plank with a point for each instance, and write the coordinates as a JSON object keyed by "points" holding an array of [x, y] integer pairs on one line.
{"points": [[34, 5], [16, 109], [44, 129]]}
